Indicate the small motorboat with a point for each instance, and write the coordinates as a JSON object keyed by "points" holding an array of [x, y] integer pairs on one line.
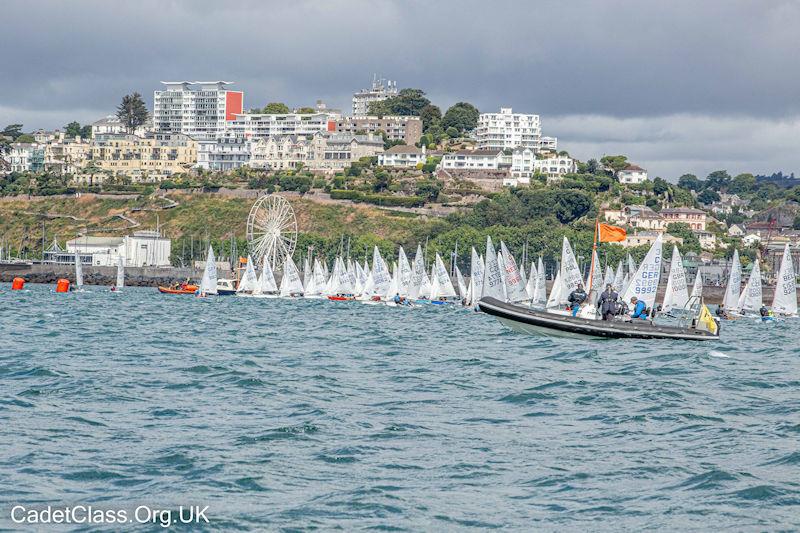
{"points": [[226, 287], [183, 288], [534, 322]]}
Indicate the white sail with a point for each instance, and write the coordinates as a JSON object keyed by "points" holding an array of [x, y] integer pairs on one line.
{"points": [[530, 287], [475, 278], [462, 286], [208, 283], [442, 283], [266, 282], [626, 282], [539, 296], [732, 290], [120, 272], [631, 266], [307, 273], [419, 285], [619, 279], [785, 300], [515, 289], [380, 273], [492, 276], [644, 283], [501, 262], [677, 293], [394, 285], [249, 281], [556, 293], [291, 282], [697, 288], [594, 279], [78, 271], [750, 301], [404, 269]]}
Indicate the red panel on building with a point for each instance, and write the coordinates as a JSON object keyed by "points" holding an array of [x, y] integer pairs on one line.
{"points": [[233, 104], [331, 125]]}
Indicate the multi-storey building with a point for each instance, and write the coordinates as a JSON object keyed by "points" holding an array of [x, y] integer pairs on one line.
{"points": [[256, 126], [508, 130], [396, 128], [472, 160], [111, 124], [632, 174], [524, 164], [153, 157], [198, 109], [331, 152], [695, 218], [227, 152], [381, 90], [66, 156], [26, 157], [402, 156], [280, 152]]}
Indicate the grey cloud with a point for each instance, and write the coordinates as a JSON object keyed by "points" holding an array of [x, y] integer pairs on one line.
{"points": [[729, 60]]}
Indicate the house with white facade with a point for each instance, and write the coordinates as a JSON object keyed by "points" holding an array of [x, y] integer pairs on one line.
{"points": [[525, 164], [506, 129], [199, 109], [26, 157], [280, 152], [256, 126], [472, 160], [402, 156], [694, 218], [227, 152], [632, 174]]}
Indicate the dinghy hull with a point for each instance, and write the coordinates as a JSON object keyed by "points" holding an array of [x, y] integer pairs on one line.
{"points": [[534, 322]]}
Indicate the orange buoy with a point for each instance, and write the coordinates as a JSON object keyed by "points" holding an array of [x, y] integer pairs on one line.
{"points": [[18, 284], [62, 285]]}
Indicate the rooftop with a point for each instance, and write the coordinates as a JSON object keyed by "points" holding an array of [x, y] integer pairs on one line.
{"points": [[633, 168], [404, 149], [687, 210]]}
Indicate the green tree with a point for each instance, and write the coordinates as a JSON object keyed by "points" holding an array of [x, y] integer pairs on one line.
{"points": [[73, 129], [682, 230], [615, 162], [690, 182], [719, 180], [429, 189], [451, 132], [708, 196], [742, 184], [660, 186], [408, 102], [382, 181], [306, 110], [462, 116], [796, 222], [12, 130], [26, 138], [132, 112], [275, 108], [430, 115]]}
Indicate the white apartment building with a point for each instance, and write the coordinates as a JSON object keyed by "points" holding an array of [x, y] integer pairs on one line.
{"points": [[26, 157], [632, 174], [255, 126], [506, 129], [472, 160], [381, 90], [198, 109], [402, 155], [280, 152], [227, 152], [331, 152], [525, 164]]}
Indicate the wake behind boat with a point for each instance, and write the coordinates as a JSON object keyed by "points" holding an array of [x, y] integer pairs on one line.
{"points": [[531, 321]]}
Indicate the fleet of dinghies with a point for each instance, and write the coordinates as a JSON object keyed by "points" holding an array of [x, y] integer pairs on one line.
{"points": [[496, 274]]}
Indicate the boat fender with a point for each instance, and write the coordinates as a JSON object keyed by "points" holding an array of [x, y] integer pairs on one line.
{"points": [[62, 285], [18, 284]]}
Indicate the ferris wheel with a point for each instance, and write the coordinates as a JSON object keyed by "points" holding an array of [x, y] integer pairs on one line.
{"points": [[271, 230]]}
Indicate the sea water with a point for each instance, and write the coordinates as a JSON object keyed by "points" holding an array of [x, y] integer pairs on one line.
{"points": [[314, 414]]}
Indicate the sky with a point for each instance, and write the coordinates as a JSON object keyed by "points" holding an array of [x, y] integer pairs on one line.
{"points": [[679, 87]]}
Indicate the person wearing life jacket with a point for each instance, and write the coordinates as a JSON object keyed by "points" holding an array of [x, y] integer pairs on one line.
{"points": [[576, 299], [607, 303], [639, 308]]}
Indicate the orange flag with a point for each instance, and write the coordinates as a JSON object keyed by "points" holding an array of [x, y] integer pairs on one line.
{"points": [[609, 233]]}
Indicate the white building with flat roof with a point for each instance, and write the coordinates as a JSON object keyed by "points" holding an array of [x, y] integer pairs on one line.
{"points": [[506, 129], [228, 151], [381, 90], [472, 160], [199, 109], [257, 126], [402, 155], [143, 248]]}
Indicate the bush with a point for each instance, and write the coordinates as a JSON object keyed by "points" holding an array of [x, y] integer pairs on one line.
{"points": [[378, 199]]}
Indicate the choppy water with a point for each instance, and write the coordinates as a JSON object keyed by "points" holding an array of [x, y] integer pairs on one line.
{"points": [[306, 414]]}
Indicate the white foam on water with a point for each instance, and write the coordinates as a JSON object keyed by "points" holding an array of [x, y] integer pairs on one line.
{"points": [[715, 353]]}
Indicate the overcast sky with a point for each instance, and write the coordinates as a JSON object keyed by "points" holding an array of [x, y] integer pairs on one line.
{"points": [[678, 86]]}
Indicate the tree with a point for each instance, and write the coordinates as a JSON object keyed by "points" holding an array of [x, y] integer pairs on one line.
{"points": [[132, 112], [429, 189], [719, 180], [306, 110], [708, 196], [690, 182], [73, 129], [743, 183], [462, 116], [408, 102], [796, 222], [12, 130], [26, 138], [86, 132], [430, 115], [382, 181], [451, 132], [660, 186], [615, 162], [592, 167], [275, 108], [682, 230]]}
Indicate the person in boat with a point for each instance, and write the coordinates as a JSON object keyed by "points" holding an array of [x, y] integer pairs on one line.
{"points": [[113, 288], [722, 313], [639, 308], [766, 314], [576, 299], [607, 303]]}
